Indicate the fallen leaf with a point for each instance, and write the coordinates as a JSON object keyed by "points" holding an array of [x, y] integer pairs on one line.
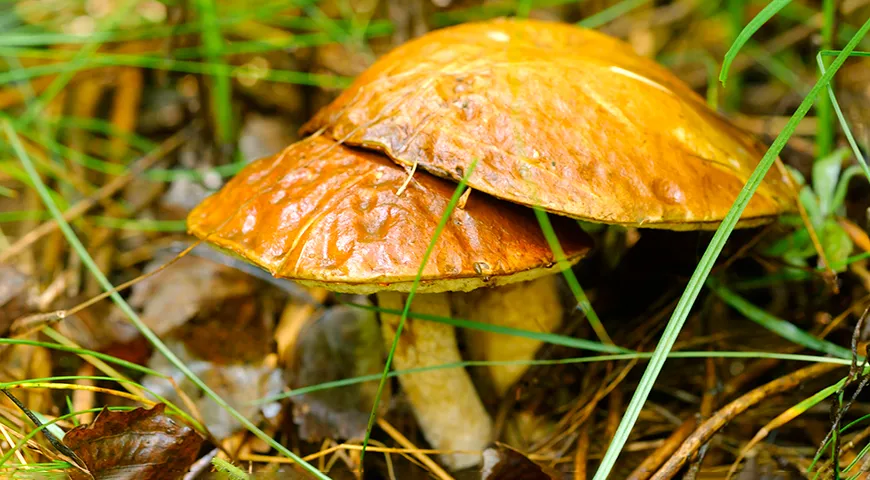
{"points": [[189, 287], [345, 342], [13, 289], [136, 444], [505, 463], [240, 385]]}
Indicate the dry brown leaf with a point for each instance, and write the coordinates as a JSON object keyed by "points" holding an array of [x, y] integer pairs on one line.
{"points": [[13, 302], [344, 343], [240, 385], [136, 444], [189, 287]]}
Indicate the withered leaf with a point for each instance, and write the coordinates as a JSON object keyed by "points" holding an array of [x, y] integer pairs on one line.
{"points": [[136, 444], [505, 463], [345, 342], [13, 289], [240, 384], [189, 287]]}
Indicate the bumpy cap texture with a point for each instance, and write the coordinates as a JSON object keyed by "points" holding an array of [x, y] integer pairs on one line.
{"points": [[560, 117], [325, 214]]}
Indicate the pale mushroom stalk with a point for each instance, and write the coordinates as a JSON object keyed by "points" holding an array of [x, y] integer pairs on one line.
{"points": [[445, 401], [532, 305]]}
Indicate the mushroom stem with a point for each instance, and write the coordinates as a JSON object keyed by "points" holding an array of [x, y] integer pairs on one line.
{"points": [[533, 305], [444, 401]]}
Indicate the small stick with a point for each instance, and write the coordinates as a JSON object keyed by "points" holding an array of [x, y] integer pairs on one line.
{"points": [[665, 450], [57, 444], [403, 441], [582, 454], [709, 428]]}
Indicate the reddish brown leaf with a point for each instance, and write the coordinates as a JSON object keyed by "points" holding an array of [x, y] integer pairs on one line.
{"points": [[140, 444]]}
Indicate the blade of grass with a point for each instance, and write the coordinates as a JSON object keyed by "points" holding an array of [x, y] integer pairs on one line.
{"points": [[825, 125], [839, 112], [551, 338], [134, 318], [776, 325], [696, 282], [221, 91], [454, 200], [783, 418], [140, 224], [746, 33], [579, 295], [564, 361], [611, 13]]}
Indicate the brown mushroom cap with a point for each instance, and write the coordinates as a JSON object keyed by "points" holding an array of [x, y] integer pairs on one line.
{"points": [[560, 117], [325, 214]]}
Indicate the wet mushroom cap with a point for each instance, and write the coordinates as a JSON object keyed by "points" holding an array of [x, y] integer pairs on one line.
{"points": [[560, 117], [325, 214]]}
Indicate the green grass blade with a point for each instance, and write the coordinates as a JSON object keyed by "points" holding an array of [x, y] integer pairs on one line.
{"points": [[221, 92], [563, 361], [161, 63], [457, 194], [696, 282], [134, 318], [579, 295], [611, 13], [776, 325], [551, 338], [140, 224], [763, 16], [825, 132], [842, 119]]}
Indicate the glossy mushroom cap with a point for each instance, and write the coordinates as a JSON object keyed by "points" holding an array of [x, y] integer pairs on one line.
{"points": [[325, 214], [560, 117]]}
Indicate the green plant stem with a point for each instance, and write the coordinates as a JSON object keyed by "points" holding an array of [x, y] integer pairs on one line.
{"points": [[128, 310], [563, 361], [825, 133], [457, 194], [611, 13], [221, 92], [696, 282]]}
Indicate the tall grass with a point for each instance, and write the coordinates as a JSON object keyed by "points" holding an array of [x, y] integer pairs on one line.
{"points": [[702, 271], [212, 26]]}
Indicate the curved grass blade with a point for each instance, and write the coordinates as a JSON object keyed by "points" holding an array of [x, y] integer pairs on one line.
{"points": [[763, 16], [776, 325], [696, 282], [839, 112], [134, 318]]}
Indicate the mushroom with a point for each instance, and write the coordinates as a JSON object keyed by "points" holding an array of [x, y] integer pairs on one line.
{"points": [[558, 117], [324, 214]]}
